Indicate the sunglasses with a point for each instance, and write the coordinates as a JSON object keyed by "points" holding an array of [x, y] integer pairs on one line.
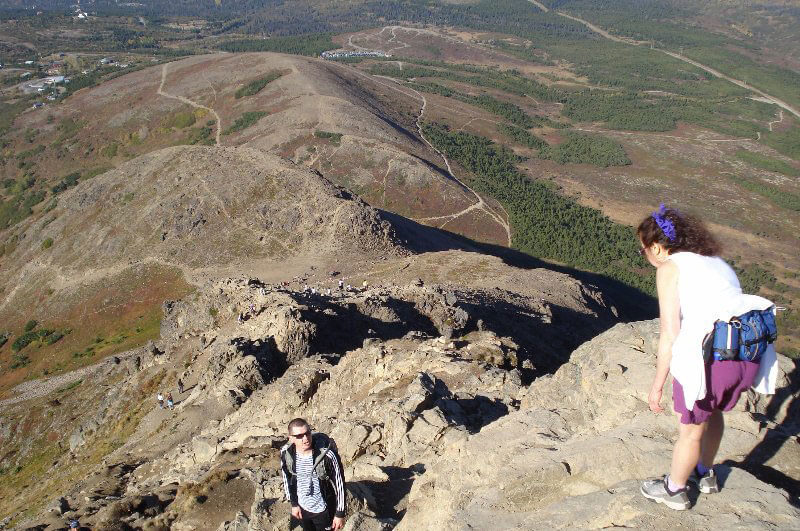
{"points": [[302, 435]]}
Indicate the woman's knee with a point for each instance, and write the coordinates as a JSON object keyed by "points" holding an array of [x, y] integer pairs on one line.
{"points": [[692, 432]]}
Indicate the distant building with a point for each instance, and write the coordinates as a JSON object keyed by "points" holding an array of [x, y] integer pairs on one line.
{"points": [[38, 105], [106, 61], [28, 62], [25, 75]]}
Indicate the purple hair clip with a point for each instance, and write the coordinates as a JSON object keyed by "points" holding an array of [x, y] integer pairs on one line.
{"points": [[664, 224]]}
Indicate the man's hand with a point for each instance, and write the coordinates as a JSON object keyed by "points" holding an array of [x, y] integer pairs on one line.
{"points": [[297, 513], [654, 399], [338, 523]]}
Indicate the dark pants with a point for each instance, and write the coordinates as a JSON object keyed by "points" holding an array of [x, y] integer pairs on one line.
{"points": [[313, 521]]}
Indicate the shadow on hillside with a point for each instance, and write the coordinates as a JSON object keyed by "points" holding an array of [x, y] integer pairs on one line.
{"points": [[545, 340], [631, 303], [775, 437]]}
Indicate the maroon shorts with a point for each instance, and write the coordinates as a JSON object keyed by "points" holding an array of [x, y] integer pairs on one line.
{"points": [[725, 381]]}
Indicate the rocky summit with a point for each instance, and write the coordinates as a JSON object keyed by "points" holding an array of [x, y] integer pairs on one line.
{"points": [[453, 407]]}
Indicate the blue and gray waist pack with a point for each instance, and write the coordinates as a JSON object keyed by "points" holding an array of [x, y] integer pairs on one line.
{"points": [[742, 338]]}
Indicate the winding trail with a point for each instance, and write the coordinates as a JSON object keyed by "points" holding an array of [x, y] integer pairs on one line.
{"points": [[480, 204], [779, 120], [713, 72], [161, 92]]}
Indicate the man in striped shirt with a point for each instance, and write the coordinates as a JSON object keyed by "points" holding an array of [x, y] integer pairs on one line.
{"points": [[313, 478]]}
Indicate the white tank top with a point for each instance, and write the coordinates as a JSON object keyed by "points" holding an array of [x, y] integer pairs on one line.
{"points": [[708, 290], [706, 286]]}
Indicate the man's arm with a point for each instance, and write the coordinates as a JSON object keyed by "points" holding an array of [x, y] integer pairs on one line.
{"points": [[289, 488], [338, 483]]}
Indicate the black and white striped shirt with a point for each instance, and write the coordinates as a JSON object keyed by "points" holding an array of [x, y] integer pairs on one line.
{"points": [[309, 495]]}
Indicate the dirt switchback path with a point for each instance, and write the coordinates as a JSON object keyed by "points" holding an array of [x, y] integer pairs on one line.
{"points": [[713, 72], [161, 92], [480, 204]]}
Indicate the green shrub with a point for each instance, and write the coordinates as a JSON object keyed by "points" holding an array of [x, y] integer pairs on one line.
{"points": [[30, 325], [54, 337], [523, 136], [110, 150], [200, 135], [67, 128], [254, 87], [47, 243], [309, 44], [753, 276], [20, 360], [31, 152], [579, 148], [182, 120], [244, 121], [4, 338], [24, 340], [67, 182], [336, 138], [767, 163], [780, 197]]}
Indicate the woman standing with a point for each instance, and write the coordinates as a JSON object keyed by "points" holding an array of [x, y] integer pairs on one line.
{"points": [[695, 289]]}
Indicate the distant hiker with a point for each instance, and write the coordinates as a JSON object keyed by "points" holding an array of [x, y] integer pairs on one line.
{"points": [[696, 291], [365, 284], [240, 318], [253, 309], [180, 386], [160, 400], [349, 287], [341, 284], [170, 401], [328, 292], [313, 479]]}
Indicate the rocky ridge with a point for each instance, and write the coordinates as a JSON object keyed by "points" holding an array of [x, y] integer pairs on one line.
{"points": [[425, 389]]}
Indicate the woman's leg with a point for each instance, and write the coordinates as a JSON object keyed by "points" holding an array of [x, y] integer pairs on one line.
{"points": [[712, 438], [686, 452]]}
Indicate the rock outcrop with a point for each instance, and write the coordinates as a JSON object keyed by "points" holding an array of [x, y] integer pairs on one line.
{"points": [[571, 457], [452, 408]]}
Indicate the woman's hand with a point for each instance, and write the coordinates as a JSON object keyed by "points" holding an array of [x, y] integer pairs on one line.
{"points": [[654, 399]]}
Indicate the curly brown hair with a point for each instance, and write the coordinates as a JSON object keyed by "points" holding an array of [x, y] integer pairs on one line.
{"points": [[690, 234]]}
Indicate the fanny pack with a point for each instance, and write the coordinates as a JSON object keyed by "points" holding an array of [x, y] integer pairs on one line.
{"points": [[744, 337]]}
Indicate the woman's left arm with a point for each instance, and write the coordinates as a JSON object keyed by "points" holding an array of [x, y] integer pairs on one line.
{"points": [[670, 319]]}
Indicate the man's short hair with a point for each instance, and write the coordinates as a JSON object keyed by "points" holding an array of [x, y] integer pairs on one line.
{"points": [[298, 423]]}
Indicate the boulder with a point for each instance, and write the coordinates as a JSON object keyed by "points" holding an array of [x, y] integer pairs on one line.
{"points": [[573, 455]]}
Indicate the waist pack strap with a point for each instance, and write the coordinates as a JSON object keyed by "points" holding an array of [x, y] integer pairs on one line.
{"points": [[744, 337]]}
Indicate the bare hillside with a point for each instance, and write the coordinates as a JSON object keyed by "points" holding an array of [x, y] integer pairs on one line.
{"points": [[103, 260]]}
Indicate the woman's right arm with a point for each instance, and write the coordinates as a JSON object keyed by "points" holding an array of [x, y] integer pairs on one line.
{"points": [[670, 318]]}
